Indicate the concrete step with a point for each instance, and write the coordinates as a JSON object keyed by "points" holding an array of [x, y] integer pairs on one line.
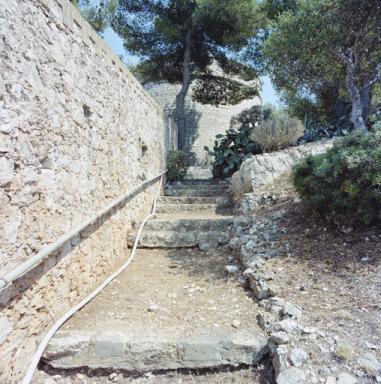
{"points": [[196, 192], [208, 222], [197, 186], [173, 239], [223, 200], [195, 172], [153, 350], [205, 229], [167, 208], [196, 189], [201, 182]]}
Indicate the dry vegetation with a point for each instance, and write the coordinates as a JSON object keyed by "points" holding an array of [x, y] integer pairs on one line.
{"points": [[277, 132]]}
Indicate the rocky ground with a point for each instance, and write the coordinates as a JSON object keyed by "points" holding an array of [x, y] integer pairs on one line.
{"points": [[313, 290], [323, 284], [243, 375]]}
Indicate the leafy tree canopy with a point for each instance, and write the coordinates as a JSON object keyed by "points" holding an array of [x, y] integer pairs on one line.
{"points": [[325, 44], [274, 8], [220, 31], [212, 43], [185, 41]]}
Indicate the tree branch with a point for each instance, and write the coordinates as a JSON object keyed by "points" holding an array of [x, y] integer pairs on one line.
{"points": [[376, 78], [340, 55]]}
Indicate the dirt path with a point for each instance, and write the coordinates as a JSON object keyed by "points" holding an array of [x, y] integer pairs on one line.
{"points": [[180, 290]]}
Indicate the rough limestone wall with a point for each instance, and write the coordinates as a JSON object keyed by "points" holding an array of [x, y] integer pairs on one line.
{"points": [[204, 122], [259, 170], [76, 132]]}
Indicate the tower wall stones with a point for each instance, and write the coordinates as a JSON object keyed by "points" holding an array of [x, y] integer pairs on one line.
{"points": [[77, 130], [204, 122]]}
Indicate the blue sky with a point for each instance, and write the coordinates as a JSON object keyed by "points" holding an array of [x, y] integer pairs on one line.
{"points": [[269, 94]]}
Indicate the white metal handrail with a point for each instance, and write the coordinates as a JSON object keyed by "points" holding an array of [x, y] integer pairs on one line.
{"points": [[57, 325], [28, 264]]}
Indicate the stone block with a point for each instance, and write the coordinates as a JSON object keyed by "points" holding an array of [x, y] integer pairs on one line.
{"points": [[258, 171], [109, 345], [147, 350]]}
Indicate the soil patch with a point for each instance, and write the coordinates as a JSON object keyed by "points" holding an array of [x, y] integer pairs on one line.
{"points": [[179, 289]]}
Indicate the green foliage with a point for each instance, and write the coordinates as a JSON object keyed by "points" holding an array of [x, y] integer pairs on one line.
{"points": [[256, 130], [310, 46], [274, 8], [98, 13], [326, 116], [375, 121], [155, 30], [216, 90], [315, 129], [344, 184], [328, 105], [230, 149], [178, 163], [277, 132]]}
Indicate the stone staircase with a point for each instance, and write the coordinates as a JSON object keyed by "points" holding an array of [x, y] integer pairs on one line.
{"points": [[174, 307], [194, 212], [168, 204], [197, 188]]}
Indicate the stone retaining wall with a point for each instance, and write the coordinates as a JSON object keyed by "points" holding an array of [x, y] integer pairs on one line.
{"points": [[77, 130], [258, 171]]}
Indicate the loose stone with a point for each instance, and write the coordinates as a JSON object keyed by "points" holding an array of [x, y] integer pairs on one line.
{"points": [[232, 269], [291, 375], [292, 310], [346, 378], [369, 363], [280, 337], [298, 357], [153, 308]]}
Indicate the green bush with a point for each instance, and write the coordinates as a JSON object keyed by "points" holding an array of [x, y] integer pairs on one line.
{"points": [[230, 149], [344, 184], [178, 163], [277, 132]]}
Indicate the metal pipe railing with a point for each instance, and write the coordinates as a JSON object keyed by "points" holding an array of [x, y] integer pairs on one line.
{"points": [[34, 260], [43, 344]]}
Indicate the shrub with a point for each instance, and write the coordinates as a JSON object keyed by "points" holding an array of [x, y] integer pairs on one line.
{"points": [[344, 184], [277, 132], [178, 163], [230, 149], [315, 129], [375, 120]]}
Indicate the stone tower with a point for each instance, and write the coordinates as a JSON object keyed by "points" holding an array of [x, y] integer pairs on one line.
{"points": [[204, 122]]}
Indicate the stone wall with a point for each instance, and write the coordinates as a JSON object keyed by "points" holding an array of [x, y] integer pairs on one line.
{"points": [[77, 130], [257, 171], [204, 122]]}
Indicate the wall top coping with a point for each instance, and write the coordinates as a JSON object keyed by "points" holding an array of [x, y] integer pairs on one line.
{"points": [[72, 19]]}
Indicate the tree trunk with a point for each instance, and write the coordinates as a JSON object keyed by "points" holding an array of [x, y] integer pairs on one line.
{"points": [[356, 115], [180, 98], [366, 97], [355, 97]]}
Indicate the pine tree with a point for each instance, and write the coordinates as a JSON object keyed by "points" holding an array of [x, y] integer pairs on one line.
{"points": [[179, 41]]}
